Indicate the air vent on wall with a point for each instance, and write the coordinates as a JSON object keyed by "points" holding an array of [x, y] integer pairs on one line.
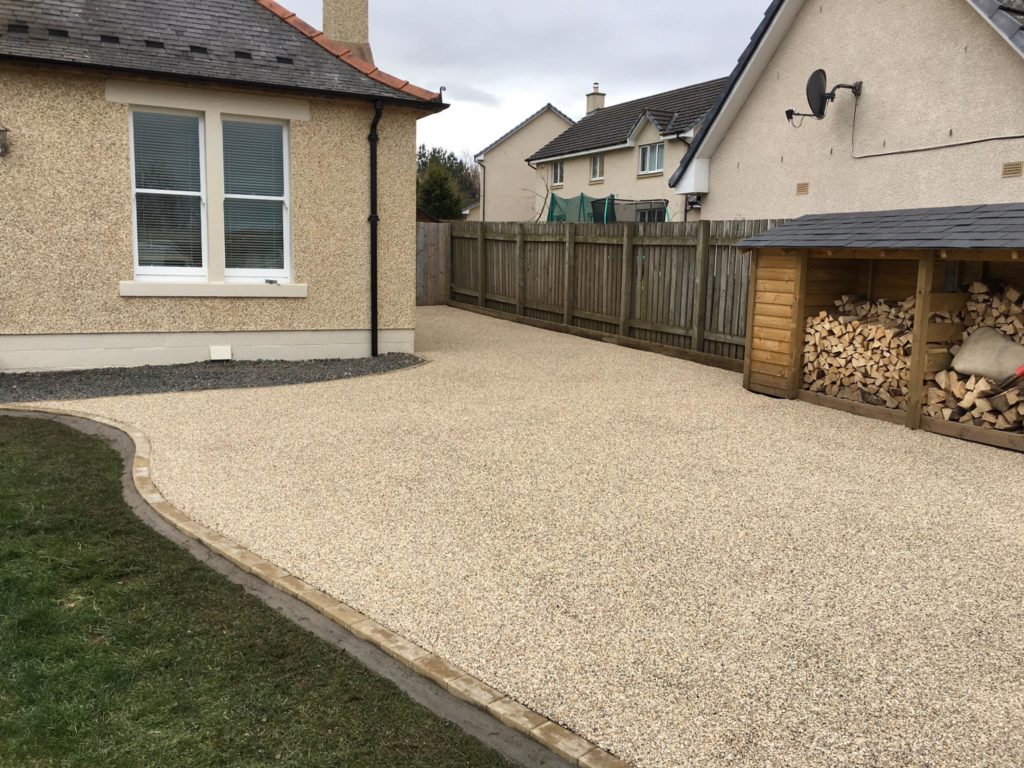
{"points": [[18, 29], [1013, 170], [803, 188], [110, 39], [198, 49]]}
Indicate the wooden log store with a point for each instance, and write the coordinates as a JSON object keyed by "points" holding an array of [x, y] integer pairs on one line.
{"points": [[865, 312]]}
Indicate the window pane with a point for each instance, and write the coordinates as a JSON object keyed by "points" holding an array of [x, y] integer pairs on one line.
{"points": [[253, 234], [253, 159], [660, 163], [170, 230], [166, 151]]}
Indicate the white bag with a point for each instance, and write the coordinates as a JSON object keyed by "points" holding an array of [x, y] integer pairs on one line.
{"points": [[989, 353]]}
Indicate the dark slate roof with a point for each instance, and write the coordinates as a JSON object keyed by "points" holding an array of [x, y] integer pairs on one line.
{"points": [[1007, 16], [672, 112], [966, 226], [236, 41], [525, 123]]}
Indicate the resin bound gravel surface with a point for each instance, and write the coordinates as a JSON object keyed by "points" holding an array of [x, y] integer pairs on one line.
{"points": [[190, 377], [679, 570]]}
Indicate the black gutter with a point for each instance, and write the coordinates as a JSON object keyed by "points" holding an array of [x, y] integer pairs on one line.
{"points": [[712, 115], [374, 219]]}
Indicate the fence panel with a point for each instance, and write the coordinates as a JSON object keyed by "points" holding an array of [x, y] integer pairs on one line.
{"points": [[684, 284], [544, 268], [432, 243]]}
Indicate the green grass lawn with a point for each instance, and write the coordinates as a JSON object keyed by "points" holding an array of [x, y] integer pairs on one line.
{"points": [[119, 649]]}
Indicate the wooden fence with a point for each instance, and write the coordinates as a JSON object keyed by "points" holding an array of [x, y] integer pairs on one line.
{"points": [[684, 289], [433, 242]]}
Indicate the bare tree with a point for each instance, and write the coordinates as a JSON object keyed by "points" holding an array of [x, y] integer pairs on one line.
{"points": [[545, 179]]}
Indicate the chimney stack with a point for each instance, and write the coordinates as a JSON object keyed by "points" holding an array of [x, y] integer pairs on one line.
{"points": [[348, 22], [595, 99]]}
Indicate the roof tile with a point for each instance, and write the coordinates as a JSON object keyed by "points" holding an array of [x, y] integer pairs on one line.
{"points": [[277, 55], [682, 108]]}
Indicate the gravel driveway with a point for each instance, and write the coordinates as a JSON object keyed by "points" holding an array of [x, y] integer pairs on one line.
{"points": [[681, 571]]}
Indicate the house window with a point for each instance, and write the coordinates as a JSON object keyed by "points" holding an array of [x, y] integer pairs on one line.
{"points": [[255, 199], [557, 173], [652, 214], [168, 197], [652, 158], [597, 167], [172, 212]]}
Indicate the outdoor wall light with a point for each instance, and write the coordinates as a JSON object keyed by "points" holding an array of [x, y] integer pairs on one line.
{"points": [[4, 146]]}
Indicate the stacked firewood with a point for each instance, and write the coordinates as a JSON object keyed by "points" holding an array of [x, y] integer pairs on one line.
{"points": [[995, 307], [861, 352], [976, 400]]}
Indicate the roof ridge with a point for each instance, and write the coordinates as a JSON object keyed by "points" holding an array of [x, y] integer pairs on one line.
{"points": [[662, 93], [346, 55], [523, 124]]}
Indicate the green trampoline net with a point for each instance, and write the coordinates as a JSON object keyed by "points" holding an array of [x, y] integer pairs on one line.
{"points": [[605, 210]]}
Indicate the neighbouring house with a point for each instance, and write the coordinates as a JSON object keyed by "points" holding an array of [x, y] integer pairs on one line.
{"points": [[188, 180], [623, 150], [508, 186], [472, 213], [939, 119]]}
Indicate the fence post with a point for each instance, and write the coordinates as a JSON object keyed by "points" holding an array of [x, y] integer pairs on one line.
{"points": [[700, 285], [568, 289], [481, 262], [520, 270], [919, 347], [444, 279], [625, 302]]}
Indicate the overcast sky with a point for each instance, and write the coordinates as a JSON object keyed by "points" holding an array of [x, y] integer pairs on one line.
{"points": [[502, 61]]}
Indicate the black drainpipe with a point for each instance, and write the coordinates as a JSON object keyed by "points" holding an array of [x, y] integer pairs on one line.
{"points": [[378, 109]]}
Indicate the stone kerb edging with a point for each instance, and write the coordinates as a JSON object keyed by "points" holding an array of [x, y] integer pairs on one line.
{"points": [[567, 745]]}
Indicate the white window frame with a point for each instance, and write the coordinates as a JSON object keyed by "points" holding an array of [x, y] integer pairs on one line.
{"points": [[189, 273], [646, 151], [597, 167], [558, 173], [250, 275]]}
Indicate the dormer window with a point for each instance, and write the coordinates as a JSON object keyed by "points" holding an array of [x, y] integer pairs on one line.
{"points": [[652, 158]]}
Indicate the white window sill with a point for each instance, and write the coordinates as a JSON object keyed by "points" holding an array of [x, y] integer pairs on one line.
{"points": [[646, 174], [557, 186], [200, 289]]}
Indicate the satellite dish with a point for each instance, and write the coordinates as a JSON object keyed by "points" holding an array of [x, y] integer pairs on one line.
{"points": [[817, 93], [818, 96]]}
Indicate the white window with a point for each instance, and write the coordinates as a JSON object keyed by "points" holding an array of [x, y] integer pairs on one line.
{"points": [[255, 199], [652, 158], [171, 209], [558, 173], [168, 195], [597, 167]]}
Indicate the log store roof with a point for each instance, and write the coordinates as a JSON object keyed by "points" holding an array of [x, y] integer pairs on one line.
{"points": [[999, 227]]}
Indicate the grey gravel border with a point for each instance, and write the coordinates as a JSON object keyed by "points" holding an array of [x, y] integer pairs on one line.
{"points": [[190, 377], [561, 747]]}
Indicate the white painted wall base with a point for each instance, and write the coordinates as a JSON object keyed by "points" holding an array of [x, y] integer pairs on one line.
{"points": [[124, 350]]}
